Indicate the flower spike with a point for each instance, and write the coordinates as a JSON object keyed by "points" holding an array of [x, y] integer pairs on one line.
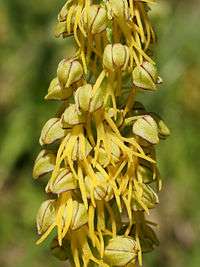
{"points": [[99, 150]]}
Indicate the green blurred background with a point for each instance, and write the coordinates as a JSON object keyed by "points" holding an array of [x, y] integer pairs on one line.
{"points": [[28, 59]]}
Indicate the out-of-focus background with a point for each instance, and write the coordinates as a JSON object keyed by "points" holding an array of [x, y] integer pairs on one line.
{"points": [[29, 55]]}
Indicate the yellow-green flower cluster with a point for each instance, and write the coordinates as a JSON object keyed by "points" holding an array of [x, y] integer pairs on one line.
{"points": [[99, 150]]}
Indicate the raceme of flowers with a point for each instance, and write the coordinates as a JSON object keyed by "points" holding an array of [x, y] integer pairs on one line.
{"points": [[99, 149]]}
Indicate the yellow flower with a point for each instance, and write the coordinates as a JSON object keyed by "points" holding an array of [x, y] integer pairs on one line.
{"points": [[101, 157]]}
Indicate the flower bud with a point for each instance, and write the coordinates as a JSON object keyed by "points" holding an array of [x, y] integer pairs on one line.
{"points": [[71, 117], [61, 27], [64, 182], [46, 216], [163, 130], [146, 128], [152, 70], [79, 217], [120, 251], [69, 72], [83, 97], [87, 100], [56, 92], [119, 9], [146, 76], [149, 198], [116, 57], [96, 19], [103, 191], [78, 150], [60, 252], [52, 131], [44, 163]]}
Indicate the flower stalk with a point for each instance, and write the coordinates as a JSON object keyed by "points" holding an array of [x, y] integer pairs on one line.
{"points": [[99, 152]]}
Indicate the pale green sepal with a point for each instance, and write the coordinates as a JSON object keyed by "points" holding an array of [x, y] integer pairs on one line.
{"points": [[83, 97], [120, 251], [51, 132], [78, 150], [44, 163], [96, 100], [146, 128], [151, 70], [46, 216], [69, 71], [119, 9], [96, 20], [163, 130], [103, 191], [142, 79], [64, 182], [80, 216], [116, 56], [56, 92], [71, 116]]}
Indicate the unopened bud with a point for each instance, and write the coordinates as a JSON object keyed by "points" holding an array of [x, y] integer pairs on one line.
{"points": [[46, 216], [56, 92], [83, 97], [146, 128], [96, 19], [52, 131], [119, 9], [103, 191], [61, 27], [87, 100], [120, 251], [78, 150], [146, 76], [80, 216], [71, 117], [96, 100], [163, 130], [116, 57], [69, 72], [64, 182], [44, 163]]}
